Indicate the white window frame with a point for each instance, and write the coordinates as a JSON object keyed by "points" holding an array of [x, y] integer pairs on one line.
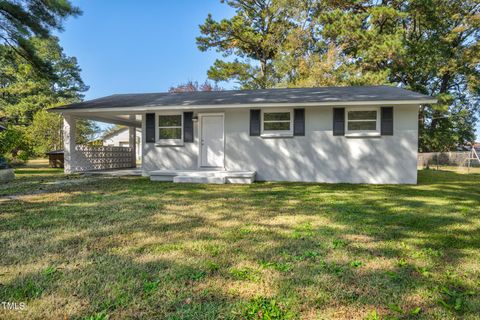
{"points": [[168, 142], [277, 133], [362, 133]]}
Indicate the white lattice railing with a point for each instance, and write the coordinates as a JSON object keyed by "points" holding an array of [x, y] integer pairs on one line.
{"points": [[89, 158]]}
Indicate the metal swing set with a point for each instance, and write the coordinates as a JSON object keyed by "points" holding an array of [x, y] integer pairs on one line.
{"points": [[473, 156]]}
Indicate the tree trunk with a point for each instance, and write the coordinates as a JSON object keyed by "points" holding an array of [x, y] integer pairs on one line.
{"points": [[421, 128], [263, 73], [443, 89], [445, 83]]}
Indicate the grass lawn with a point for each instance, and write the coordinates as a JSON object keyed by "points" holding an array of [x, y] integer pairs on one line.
{"points": [[128, 248]]}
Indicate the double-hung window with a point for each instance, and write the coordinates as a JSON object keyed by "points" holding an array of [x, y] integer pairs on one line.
{"points": [[170, 129], [362, 122], [277, 123]]}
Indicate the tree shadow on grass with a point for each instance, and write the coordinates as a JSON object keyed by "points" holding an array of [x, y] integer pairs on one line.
{"points": [[311, 246], [118, 286]]}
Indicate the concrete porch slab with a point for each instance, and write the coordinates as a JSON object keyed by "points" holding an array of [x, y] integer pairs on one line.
{"points": [[199, 179], [203, 176], [116, 172]]}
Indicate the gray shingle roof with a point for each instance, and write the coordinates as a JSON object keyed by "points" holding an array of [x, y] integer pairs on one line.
{"points": [[261, 96]]}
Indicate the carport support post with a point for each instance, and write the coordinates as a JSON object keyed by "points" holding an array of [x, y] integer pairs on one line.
{"points": [[132, 142], [69, 127]]}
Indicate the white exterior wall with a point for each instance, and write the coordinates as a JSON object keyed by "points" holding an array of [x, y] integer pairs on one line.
{"points": [[170, 157], [121, 139], [319, 156]]}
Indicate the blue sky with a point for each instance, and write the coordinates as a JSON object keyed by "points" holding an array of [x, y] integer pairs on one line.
{"points": [[139, 46], [127, 46]]}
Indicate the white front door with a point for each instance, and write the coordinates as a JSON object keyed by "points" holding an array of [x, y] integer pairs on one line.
{"points": [[211, 141]]}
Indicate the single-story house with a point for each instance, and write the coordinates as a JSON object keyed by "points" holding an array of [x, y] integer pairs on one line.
{"points": [[362, 134], [119, 137]]}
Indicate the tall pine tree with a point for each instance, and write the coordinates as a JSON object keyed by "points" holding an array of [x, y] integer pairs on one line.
{"points": [[253, 37], [22, 20]]}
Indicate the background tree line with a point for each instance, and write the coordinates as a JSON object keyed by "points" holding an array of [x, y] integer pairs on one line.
{"points": [[429, 46], [36, 75]]}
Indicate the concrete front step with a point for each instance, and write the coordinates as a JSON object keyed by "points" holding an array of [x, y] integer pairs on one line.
{"points": [[199, 179], [203, 176]]}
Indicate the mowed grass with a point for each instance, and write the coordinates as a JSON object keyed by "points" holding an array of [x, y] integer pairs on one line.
{"points": [[128, 248]]}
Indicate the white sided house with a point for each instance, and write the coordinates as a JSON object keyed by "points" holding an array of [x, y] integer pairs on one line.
{"points": [[364, 134], [120, 137]]}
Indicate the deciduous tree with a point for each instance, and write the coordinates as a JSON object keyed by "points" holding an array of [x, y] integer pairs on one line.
{"points": [[192, 86], [427, 46], [25, 95]]}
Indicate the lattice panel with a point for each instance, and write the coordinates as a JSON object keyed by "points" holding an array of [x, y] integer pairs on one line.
{"points": [[88, 158]]}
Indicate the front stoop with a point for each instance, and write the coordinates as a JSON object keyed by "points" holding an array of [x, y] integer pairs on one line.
{"points": [[199, 179], [203, 176]]}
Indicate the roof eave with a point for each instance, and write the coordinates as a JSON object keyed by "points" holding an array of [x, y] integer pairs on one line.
{"points": [[249, 105]]}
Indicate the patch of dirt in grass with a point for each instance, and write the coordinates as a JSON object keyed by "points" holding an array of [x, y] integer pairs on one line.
{"points": [[359, 238]]}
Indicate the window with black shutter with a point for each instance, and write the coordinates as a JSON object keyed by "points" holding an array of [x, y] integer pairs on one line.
{"points": [[150, 127], [255, 122], [387, 121], [299, 122], [188, 126], [338, 121]]}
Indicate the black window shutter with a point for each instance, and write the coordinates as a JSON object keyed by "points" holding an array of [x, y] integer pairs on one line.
{"points": [[150, 127], [254, 122], [338, 121], [299, 122], [387, 121], [187, 127]]}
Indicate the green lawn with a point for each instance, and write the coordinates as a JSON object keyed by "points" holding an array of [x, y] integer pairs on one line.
{"points": [[128, 248]]}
